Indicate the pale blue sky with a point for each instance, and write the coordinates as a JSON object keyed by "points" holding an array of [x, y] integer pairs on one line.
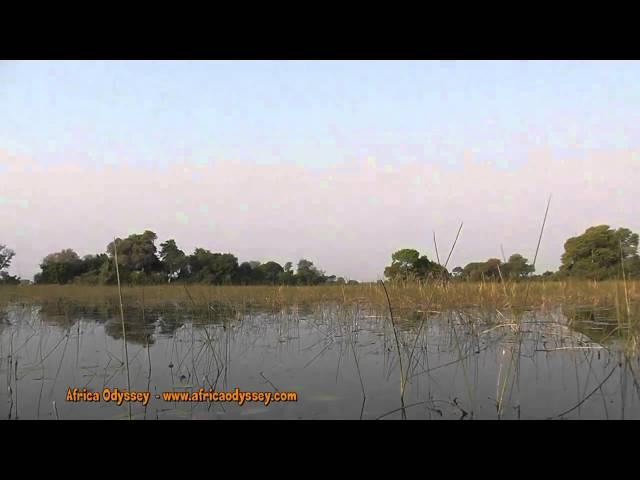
{"points": [[421, 146], [314, 112]]}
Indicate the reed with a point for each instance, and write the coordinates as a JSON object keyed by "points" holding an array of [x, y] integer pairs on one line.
{"points": [[124, 329], [406, 295]]}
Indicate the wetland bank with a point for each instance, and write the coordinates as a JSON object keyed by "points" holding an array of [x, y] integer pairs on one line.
{"points": [[462, 350]]}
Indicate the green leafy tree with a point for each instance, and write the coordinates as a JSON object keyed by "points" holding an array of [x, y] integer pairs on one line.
{"points": [[270, 272], [91, 269], [407, 264], [173, 259], [136, 253], [308, 274], [244, 274], [60, 267], [249, 273], [217, 268], [473, 271], [257, 273], [140, 263], [489, 270], [425, 268], [517, 267], [287, 277], [402, 264], [600, 252]]}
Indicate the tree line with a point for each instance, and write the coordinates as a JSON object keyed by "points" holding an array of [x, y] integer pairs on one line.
{"points": [[599, 253], [140, 262]]}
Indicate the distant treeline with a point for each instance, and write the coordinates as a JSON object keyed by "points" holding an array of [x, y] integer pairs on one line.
{"points": [[407, 264], [600, 253], [139, 262]]}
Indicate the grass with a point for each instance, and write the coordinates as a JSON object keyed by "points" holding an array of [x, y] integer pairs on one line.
{"points": [[403, 295]]}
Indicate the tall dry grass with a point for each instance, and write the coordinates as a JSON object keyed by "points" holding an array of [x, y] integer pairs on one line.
{"points": [[403, 295]]}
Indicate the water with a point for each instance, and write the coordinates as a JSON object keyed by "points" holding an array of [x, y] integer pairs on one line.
{"points": [[342, 362]]}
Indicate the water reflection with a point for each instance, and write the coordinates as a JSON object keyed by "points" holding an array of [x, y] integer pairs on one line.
{"points": [[342, 361], [601, 324]]}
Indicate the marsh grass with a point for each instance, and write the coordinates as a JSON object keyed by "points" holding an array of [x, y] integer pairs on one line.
{"points": [[457, 295]]}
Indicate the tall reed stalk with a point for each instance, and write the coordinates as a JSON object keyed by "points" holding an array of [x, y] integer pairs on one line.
{"points": [[395, 334], [624, 281], [535, 257], [124, 330]]}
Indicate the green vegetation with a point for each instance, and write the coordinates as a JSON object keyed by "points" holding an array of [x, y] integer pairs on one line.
{"points": [[6, 255], [601, 253], [407, 264], [139, 263], [517, 267]]}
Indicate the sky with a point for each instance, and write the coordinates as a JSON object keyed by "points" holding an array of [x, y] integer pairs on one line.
{"points": [[339, 162]]}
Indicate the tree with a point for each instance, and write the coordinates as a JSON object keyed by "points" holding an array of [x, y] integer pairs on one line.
{"points": [[308, 274], [287, 277], [244, 274], [256, 274], [517, 267], [489, 270], [6, 255], [600, 252], [136, 253], [425, 268], [173, 259], [473, 271], [271, 272], [251, 273], [402, 264], [140, 263], [407, 264], [92, 268], [493, 268], [223, 267], [60, 267], [205, 266]]}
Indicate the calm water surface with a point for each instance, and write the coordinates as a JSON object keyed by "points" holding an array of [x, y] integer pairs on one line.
{"points": [[341, 361]]}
